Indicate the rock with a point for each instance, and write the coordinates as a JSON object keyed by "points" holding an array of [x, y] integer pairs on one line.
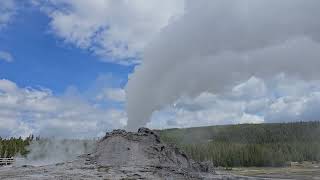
{"points": [[145, 151], [144, 148], [207, 166]]}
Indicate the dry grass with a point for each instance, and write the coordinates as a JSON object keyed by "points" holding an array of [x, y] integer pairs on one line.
{"points": [[306, 170]]}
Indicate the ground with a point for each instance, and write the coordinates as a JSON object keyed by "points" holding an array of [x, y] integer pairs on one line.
{"points": [[304, 171], [83, 169]]}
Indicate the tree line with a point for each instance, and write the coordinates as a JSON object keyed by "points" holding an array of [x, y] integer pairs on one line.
{"points": [[14, 146], [249, 144]]}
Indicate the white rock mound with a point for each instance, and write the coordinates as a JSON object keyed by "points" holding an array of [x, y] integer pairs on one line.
{"points": [[144, 148]]}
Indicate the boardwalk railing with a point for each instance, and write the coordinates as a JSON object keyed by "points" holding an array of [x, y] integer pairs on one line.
{"points": [[6, 161]]}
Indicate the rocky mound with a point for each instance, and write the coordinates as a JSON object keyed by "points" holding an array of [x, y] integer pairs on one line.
{"points": [[121, 148], [144, 150]]}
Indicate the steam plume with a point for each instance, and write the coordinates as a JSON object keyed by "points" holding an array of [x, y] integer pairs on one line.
{"points": [[51, 151], [218, 43]]}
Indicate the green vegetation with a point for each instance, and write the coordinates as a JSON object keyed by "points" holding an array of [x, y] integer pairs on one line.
{"points": [[13, 146], [249, 144]]}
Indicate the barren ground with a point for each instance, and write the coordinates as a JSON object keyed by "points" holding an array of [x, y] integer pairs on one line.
{"points": [[305, 171]]}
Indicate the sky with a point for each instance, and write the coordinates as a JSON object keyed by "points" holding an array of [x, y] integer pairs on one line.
{"points": [[78, 68]]}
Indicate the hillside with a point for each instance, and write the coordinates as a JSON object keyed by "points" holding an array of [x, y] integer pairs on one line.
{"points": [[249, 144]]}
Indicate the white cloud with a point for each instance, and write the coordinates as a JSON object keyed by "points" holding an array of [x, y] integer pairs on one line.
{"points": [[113, 94], [25, 110], [191, 112], [7, 11], [117, 30], [251, 119], [280, 101], [253, 88], [6, 56]]}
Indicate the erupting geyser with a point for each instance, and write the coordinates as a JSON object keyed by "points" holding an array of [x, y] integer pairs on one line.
{"points": [[217, 44]]}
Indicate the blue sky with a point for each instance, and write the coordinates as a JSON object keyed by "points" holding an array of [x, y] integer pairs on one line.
{"points": [[41, 59], [79, 68], [63, 73]]}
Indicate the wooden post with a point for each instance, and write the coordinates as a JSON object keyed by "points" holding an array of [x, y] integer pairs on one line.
{"points": [[6, 161]]}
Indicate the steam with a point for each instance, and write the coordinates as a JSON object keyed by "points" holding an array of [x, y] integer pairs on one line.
{"points": [[217, 44], [52, 151]]}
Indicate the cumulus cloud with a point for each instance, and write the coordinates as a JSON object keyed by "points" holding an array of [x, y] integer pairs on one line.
{"points": [[280, 101], [113, 94], [218, 44], [6, 56], [117, 30], [25, 111], [7, 11]]}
